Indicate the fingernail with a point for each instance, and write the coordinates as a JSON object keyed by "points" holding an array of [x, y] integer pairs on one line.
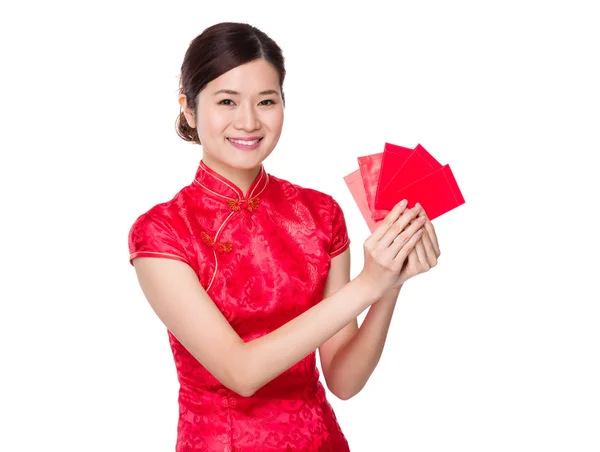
{"points": [[403, 203], [418, 205]]}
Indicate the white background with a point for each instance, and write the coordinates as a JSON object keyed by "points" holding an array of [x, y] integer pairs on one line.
{"points": [[495, 349]]}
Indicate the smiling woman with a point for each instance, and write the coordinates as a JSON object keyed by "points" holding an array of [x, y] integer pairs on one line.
{"points": [[241, 110], [251, 273], [231, 85]]}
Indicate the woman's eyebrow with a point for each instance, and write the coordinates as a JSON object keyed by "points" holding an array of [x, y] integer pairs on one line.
{"points": [[235, 93], [226, 91], [269, 91]]}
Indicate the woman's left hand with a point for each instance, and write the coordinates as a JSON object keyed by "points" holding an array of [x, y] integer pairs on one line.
{"points": [[425, 254]]}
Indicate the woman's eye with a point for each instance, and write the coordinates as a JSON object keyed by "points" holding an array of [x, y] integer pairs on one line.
{"points": [[226, 102], [267, 102]]}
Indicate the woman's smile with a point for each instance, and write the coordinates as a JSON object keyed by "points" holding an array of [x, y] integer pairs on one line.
{"points": [[245, 144]]}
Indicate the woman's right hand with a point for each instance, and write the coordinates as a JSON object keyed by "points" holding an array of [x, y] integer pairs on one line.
{"points": [[388, 247]]}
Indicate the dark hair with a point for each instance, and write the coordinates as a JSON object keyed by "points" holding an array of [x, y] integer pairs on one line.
{"points": [[215, 51]]}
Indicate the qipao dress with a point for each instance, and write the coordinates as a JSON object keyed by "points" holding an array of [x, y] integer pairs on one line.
{"points": [[263, 257]]}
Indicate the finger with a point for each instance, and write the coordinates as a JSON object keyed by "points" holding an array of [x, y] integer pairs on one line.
{"points": [[407, 248], [399, 226], [432, 237], [411, 263], [401, 240], [421, 253], [389, 220], [431, 232], [413, 258], [429, 250], [394, 240]]}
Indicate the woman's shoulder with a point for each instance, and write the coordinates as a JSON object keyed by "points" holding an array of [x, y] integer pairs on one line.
{"points": [[308, 195], [164, 212], [322, 207]]}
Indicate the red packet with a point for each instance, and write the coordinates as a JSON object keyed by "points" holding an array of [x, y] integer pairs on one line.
{"points": [[370, 167], [394, 157], [425, 163], [357, 189], [437, 192], [419, 164]]}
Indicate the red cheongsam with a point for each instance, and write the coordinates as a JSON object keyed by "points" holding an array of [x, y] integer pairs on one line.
{"points": [[263, 259]]}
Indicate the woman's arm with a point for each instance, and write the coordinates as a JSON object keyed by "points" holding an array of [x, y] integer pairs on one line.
{"points": [[349, 358], [349, 368], [174, 292]]}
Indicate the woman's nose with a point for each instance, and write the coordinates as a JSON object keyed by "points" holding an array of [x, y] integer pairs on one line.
{"points": [[246, 118]]}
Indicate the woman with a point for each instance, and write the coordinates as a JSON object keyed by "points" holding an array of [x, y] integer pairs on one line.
{"points": [[251, 273]]}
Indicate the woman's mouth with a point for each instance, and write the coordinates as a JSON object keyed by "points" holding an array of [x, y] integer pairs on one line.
{"points": [[245, 144]]}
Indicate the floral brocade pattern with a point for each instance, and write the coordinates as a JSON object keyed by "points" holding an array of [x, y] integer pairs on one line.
{"points": [[263, 258]]}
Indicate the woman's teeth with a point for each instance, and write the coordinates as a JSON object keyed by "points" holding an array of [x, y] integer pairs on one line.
{"points": [[245, 143]]}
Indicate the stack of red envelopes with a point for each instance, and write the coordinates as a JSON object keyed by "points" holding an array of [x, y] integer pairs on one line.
{"points": [[385, 179]]}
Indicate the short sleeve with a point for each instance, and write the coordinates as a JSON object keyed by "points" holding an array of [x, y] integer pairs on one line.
{"points": [[339, 233], [152, 236]]}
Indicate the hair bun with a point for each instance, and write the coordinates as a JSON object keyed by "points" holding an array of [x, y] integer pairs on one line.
{"points": [[185, 131]]}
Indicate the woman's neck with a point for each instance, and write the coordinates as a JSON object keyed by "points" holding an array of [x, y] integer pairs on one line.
{"points": [[242, 178]]}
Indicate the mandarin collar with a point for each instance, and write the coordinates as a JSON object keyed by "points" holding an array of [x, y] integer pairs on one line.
{"points": [[219, 186]]}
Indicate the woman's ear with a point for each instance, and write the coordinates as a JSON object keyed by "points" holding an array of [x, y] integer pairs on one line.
{"points": [[187, 112]]}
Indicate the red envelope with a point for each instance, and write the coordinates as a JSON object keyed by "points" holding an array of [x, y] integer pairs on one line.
{"points": [[370, 166], [355, 185], [393, 159], [437, 192], [384, 179], [418, 155], [419, 164]]}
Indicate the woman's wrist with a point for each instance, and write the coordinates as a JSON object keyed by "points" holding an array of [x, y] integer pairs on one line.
{"points": [[391, 295], [370, 291]]}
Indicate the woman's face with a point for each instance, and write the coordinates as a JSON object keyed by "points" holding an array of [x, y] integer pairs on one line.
{"points": [[240, 116]]}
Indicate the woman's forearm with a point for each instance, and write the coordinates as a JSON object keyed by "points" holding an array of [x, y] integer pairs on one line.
{"points": [[265, 358], [354, 363]]}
